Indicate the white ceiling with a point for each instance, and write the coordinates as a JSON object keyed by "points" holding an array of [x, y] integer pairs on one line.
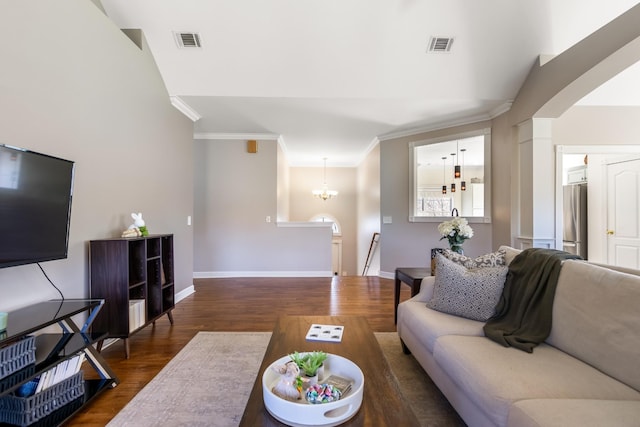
{"points": [[331, 77]]}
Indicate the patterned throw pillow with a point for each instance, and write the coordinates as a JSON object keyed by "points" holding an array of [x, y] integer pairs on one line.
{"points": [[467, 293], [494, 259]]}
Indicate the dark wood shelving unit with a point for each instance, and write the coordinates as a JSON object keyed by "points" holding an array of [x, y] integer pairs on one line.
{"points": [[125, 271]]}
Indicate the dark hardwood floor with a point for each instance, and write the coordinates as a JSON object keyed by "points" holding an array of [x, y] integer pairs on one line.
{"points": [[243, 304]]}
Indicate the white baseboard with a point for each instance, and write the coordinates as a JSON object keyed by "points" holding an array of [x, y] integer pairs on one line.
{"points": [[227, 274], [184, 293], [387, 275]]}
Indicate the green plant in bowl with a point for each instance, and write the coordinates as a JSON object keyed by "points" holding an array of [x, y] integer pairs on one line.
{"points": [[309, 363]]}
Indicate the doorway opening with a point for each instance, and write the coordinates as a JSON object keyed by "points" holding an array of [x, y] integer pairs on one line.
{"points": [[336, 242], [568, 161]]}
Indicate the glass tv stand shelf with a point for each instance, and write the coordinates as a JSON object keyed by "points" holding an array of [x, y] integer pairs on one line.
{"points": [[54, 348]]}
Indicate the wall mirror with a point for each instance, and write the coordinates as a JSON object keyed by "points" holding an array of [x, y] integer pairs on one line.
{"points": [[451, 176]]}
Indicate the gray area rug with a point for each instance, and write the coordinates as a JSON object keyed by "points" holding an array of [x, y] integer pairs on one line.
{"points": [[200, 386]]}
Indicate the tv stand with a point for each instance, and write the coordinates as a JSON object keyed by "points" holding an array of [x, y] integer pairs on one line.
{"points": [[55, 348]]}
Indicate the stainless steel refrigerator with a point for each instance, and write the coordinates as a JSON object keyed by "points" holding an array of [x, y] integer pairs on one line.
{"points": [[574, 213]]}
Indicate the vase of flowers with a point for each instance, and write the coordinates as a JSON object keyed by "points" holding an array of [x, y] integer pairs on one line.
{"points": [[456, 231]]}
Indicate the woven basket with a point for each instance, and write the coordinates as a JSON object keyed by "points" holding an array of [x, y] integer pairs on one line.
{"points": [[17, 356], [23, 411]]}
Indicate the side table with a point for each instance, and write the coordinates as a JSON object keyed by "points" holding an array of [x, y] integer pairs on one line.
{"points": [[412, 277]]}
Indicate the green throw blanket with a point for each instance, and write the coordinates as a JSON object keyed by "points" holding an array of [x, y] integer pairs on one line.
{"points": [[523, 314]]}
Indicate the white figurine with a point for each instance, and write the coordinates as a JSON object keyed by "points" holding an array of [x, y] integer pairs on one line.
{"points": [[287, 388], [138, 223]]}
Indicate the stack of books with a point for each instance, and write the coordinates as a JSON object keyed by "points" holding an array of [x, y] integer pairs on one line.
{"points": [[137, 316], [341, 383], [53, 376]]}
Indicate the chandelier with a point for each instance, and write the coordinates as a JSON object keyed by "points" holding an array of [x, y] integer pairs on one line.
{"points": [[325, 193]]}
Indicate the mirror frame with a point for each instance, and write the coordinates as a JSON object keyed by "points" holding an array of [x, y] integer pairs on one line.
{"points": [[413, 185]]}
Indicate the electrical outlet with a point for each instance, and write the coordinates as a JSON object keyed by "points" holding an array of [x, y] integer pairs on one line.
{"points": [[267, 219]]}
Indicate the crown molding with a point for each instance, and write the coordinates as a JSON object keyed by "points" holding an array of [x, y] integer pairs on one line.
{"points": [[501, 109], [184, 108], [283, 147], [374, 142], [435, 127]]}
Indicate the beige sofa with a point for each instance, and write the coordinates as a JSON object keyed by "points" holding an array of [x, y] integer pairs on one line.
{"points": [[586, 373]]}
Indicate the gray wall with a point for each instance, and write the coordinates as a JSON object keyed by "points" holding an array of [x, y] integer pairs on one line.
{"points": [[235, 192], [74, 86]]}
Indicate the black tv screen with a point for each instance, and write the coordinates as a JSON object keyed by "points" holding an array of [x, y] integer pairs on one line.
{"points": [[35, 206]]}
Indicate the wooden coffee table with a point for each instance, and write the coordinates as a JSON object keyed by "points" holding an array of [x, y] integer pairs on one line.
{"points": [[382, 403]]}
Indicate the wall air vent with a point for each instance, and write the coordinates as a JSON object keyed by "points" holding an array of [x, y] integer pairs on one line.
{"points": [[440, 44], [187, 40]]}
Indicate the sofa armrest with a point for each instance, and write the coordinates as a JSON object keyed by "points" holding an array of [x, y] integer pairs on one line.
{"points": [[426, 290]]}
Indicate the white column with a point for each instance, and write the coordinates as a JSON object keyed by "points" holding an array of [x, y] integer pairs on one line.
{"points": [[536, 192]]}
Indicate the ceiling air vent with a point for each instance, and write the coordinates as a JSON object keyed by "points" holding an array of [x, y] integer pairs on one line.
{"points": [[187, 40], [440, 44]]}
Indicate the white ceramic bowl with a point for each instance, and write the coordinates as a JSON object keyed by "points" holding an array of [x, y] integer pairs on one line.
{"points": [[302, 413]]}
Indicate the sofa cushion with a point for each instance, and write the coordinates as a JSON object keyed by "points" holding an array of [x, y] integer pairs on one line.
{"points": [[470, 293], [595, 318], [574, 413], [493, 259], [494, 376], [510, 253], [431, 324]]}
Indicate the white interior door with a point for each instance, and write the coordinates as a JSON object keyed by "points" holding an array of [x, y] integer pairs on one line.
{"points": [[623, 219]]}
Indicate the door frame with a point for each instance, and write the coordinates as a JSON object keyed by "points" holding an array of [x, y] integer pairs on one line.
{"points": [[618, 150]]}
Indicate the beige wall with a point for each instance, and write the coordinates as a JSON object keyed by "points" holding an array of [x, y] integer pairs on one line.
{"points": [[368, 181], [97, 100], [505, 181], [283, 185], [584, 125]]}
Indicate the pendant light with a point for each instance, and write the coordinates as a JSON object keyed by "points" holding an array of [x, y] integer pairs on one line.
{"points": [[453, 184], [325, 193], [463, 183], [456, 168], [444, 186]]}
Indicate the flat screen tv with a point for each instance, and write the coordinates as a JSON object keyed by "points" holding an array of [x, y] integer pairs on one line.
{"points": [[35, 206]]}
